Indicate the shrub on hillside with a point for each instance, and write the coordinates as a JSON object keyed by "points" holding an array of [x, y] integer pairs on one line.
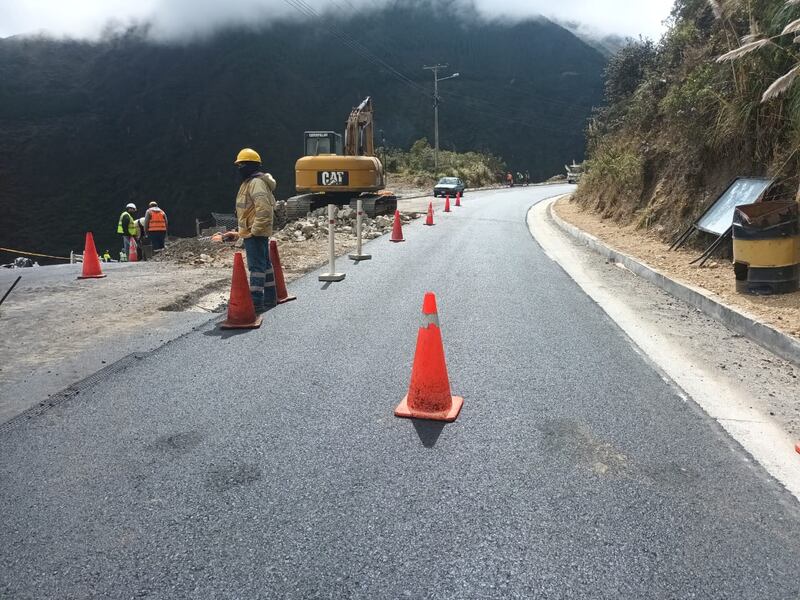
{"points": [[418, 164]]}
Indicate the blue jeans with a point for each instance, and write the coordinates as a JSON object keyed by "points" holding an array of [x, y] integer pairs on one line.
{"points": [[262, 277], [126, 244]]}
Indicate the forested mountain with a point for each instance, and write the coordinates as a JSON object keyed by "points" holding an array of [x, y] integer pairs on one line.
{"points": [[87, 127]]}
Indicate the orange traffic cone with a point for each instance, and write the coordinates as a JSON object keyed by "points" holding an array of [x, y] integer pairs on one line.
{"points": [[397, 228], [133, 254], [447, 203], [429, 220], [91, 263], [797, 447], [280, 284], [458, 199], [429, 394], [241, 312]]}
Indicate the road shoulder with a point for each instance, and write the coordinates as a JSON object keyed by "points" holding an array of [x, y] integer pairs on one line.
{"points": [[748, 390]]}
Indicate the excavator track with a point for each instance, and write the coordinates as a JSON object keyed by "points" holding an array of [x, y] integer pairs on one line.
{"points": [[298, 207], [376, 205]]}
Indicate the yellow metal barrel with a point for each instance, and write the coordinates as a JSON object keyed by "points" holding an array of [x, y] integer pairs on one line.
{"points": [[766, 248]]}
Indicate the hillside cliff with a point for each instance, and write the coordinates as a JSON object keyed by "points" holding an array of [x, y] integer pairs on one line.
{"points": [[87, 127], [678, 125]]}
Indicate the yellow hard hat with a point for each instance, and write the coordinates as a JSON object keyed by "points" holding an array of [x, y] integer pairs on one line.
{"points": [[247, 155]]}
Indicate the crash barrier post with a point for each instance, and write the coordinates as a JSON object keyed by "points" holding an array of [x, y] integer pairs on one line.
{"points": [[358, 255], [331, 275]]}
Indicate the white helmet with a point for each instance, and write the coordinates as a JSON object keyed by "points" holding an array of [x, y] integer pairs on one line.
{"points": [[131, 205]]}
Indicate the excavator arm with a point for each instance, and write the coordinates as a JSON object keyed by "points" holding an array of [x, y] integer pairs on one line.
{"points": [[358, 132]]}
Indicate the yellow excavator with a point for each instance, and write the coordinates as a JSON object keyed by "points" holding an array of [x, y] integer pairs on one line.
{"points": [[332, 172]]}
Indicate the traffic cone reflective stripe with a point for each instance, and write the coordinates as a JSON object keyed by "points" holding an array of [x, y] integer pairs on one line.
{"points": [[397, 228], [429, 220], [429, 395], [91, 262], [458, 199], [280, 283], [133, 254], [447, 203], [241, 312]]}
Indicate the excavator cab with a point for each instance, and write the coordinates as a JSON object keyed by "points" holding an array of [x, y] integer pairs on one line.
{"points": [[323, 142]]}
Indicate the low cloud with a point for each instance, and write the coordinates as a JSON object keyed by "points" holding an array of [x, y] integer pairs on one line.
{"points": [[179, 19]]}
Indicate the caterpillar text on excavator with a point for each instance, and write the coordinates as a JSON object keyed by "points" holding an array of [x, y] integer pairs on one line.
{"points": [[336, 173]]}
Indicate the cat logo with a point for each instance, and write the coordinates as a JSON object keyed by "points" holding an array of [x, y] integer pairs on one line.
{"points": [[333, 178]]}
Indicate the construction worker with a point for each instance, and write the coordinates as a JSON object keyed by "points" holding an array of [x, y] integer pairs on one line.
{"points": [[128, 228], [155, 225], [509, 179], [255, 204]]}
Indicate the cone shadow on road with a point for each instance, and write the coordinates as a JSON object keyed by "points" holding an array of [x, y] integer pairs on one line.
{"points": [[225, 333], [325, 285], [428, 431]]}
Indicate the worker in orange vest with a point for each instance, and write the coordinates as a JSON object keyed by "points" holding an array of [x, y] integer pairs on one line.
{"points": [[155, 224]]}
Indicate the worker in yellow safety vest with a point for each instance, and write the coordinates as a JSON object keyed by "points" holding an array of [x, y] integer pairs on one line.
{"points": [[155, 224], [128, 228]]}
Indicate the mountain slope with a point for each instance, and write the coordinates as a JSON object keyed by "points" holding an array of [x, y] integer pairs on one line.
{"points": [[86, 128]]}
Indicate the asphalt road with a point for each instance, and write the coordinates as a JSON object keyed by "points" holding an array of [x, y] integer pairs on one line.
{"points": [[268, 464]]}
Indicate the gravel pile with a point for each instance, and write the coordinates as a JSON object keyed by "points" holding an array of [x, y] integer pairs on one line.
{"points": [[315, 225], [205, 252]]}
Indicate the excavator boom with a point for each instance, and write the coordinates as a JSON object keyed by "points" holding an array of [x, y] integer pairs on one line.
{"points": [[358, 132]]}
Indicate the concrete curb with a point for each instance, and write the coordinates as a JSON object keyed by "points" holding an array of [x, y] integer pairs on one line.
{"points": [[773, 340]]}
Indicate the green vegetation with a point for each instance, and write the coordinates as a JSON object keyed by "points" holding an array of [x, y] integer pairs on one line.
{"points": [[417, 165], [679, 124], [87, 127]]}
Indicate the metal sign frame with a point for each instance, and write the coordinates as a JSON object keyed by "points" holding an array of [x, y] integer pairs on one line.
{"points": [[695, 226]]}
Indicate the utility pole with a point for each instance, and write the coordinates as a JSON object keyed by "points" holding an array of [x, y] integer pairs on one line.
{"points": [[436, 80]]}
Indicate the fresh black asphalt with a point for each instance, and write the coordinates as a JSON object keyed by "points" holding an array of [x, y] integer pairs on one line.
{"points": [[268, 464]]}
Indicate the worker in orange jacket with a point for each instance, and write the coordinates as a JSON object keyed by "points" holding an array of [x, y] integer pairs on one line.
{"points": [[155, 225]]}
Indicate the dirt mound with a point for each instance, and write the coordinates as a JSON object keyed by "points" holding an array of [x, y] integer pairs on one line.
{"points": [[302, 243]]}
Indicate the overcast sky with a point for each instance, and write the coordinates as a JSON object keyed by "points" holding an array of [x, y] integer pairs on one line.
{"points": [[179, 18]]}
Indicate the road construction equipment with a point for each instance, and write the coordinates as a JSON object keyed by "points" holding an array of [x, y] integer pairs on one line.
{"points": [[332, 275], [766, 248], [429, 218], [429, 396], [332, 172], [358, 255], [280, 282], [91, 262], [397, 228], [247, 155], [241, 310], [574, 172]]}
